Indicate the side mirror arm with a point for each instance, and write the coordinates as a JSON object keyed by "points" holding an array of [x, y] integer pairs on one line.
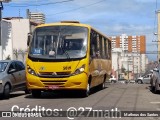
{"points": [[29, 38]]}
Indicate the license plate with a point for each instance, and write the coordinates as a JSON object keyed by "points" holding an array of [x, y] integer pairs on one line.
{"points": [[53, 87]]}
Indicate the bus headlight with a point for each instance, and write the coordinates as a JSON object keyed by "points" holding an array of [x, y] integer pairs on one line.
{"points": [[31, 71], [79, 70]]}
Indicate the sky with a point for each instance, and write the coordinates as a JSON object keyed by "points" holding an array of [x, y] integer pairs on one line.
{"points": [[111, 17]]}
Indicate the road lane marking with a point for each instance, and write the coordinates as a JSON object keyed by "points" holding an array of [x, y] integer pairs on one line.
{"points": [[158, 109], [155, 102]]}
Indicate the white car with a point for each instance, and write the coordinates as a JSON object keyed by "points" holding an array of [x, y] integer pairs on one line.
{"points": [[12, 77], [112, 79], [144, 80]]}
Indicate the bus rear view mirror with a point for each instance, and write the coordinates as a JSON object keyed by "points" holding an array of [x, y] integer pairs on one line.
{"points": [[29, 38]]}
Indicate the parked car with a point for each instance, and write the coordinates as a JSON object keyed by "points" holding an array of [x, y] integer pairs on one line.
{"points": [[12, 77], [112, 79], [144, 79], [122, 80], [132, 81], [155, 80]]}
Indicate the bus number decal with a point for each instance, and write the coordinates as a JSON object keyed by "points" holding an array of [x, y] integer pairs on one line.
{"points": [[67, 68]]}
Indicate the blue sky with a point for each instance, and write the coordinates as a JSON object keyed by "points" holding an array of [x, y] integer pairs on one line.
{"points": [[111, 17]]}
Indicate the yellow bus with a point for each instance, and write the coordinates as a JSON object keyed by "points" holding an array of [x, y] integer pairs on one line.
{"points": [[67, 56]]}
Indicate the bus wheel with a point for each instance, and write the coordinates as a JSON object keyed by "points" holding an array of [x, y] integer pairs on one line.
{"points": [[102, 86], [36, 93], [86, 93], [27, 91]]}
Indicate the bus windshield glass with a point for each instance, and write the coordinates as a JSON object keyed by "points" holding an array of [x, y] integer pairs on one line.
{"points": [[59, 42]]}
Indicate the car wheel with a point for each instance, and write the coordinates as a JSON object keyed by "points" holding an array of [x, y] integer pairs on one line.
{"points": [[155, 88], [152, 88], [36, 93], [139, 82], [6, 92], [112, 81]]}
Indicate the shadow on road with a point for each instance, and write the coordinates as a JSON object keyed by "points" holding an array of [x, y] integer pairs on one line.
{"points": [[150, 88], [63, 94], [13, 95]]}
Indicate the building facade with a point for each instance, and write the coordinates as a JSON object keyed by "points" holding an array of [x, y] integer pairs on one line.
{"points": [[14, 38], [36, 17], [136, 44], [128, 65]]}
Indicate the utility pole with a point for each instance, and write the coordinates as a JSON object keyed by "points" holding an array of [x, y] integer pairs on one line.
{"points": [[118, 65], [128, 67], [1, 50], [1, 8], [158, 14]]}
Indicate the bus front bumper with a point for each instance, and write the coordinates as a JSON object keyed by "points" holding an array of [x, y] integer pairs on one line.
{"points": [[78, 82]]}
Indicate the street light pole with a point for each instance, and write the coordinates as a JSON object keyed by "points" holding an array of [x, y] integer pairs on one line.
{"points": [[1, 50], [128, 68]]}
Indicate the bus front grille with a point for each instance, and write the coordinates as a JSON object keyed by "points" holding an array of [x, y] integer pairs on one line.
{"points": [[54, 74], [54, 82]]}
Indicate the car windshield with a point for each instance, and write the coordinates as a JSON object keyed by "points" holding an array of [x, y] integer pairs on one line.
{"points": [[3, 66], [59, 42]]}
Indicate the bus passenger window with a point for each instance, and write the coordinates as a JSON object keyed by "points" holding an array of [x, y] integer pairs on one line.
{"points": [[92, 46]]}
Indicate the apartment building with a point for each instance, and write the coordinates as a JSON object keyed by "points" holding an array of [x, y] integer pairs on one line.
{"points": [[131, 54], [133, 63], [136, 44], [36, 17]]}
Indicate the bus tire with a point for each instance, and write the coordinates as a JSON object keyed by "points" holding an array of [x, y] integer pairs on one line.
{"points": [[36, 93], [27, 91], [102, 86], [86, 93]]}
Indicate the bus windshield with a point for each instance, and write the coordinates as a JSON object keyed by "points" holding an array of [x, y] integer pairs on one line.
{"points": [[59, 42]]}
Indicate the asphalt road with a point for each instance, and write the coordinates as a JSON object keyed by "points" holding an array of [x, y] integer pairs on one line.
{"points": [[124, 97]]}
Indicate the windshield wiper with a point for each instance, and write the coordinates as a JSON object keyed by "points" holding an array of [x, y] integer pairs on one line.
{"points": [[59, 35], [65, 52]]}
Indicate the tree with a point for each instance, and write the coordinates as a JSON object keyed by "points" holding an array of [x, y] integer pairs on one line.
{"points": [[8, 57], [15, 52], [124, 70]]}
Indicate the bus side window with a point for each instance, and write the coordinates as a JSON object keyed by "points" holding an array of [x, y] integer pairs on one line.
{"points": [[92, 46], [109, 50]]}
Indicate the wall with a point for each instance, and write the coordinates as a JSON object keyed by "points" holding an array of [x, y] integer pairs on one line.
{"points": [[14, 37], [7, 39]]}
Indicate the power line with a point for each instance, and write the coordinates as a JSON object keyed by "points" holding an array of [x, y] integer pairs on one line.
{"points": [[42, 4], [72, 10]]}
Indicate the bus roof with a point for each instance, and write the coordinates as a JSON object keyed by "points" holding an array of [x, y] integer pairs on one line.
{"points": [[72, 23]]}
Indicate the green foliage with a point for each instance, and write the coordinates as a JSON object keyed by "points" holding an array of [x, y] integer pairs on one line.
{"points": [[123, 69], [8, 57]]}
